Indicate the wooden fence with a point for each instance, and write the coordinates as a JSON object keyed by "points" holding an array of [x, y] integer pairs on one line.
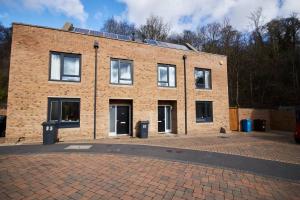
{"points": [[234, 119]]}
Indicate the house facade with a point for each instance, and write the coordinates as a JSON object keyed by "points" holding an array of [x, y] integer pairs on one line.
{"points": [[97, 86]]}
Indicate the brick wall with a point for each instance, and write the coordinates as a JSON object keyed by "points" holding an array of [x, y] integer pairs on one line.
{"points": [[251, 113], [276, 119], [29, 87], [2, 111], [283, 120]]}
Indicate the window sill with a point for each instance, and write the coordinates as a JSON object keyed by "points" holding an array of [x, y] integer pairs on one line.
{"points": [[204, 89], [204, 122], [65, 82], [166, 87], [60, 126], [120, 85]]}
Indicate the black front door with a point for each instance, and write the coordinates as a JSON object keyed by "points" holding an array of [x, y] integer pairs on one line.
{"points": [[123, 120], [161, 119]]}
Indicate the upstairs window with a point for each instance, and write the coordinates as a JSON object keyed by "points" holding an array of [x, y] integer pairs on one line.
{"points": [[65, 67], [204, 111], [202, 78], [121, 71], [166, 75], [64, 111]]}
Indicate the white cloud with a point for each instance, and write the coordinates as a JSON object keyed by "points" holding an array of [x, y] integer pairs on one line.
{"points": [[290, 6], [70, 8], [206, 11]]}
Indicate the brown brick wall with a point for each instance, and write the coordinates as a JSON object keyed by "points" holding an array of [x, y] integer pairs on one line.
{"points": [[2, 111], [29, 87], [251, 113], [283, 120]]}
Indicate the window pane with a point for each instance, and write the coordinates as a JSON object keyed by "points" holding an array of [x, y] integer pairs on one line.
{"points": [[70, 78], [203, 111], [125, 81], [69, 111], [125, 70], [207, 79], [208, 111], [172, 76], [71, 66], [112, 119], [200, 111], [199, 78], [114, 69], [55, 67], [54, 111], [163, 74], [168, 117], [162, 84]]}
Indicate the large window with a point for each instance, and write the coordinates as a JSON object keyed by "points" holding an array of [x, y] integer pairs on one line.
{"points": [[121, 71], [64, 67], [166, 75], [64, 111], [204, 111], [203, 78]]}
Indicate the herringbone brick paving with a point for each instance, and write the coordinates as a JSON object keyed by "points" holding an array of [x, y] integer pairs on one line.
{"points": [[269, 145], [104, 176]]}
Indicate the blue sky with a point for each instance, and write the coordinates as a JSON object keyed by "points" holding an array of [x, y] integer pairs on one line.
{"points": [[180, 14], [97, 11]]}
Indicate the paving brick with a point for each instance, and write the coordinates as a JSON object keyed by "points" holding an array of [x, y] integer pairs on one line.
{"points": [[264, 145], [80, 168]]}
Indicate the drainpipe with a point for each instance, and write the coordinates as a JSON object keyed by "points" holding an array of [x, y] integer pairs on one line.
{"points": [[184, 57], [96, 47]]}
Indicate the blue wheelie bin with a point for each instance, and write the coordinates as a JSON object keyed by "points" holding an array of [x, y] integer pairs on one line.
{"points": [[246, 125]]}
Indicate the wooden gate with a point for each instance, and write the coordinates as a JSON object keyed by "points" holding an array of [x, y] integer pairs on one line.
{"points": [[233, 119]]}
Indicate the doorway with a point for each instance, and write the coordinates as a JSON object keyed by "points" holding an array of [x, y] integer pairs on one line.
{"points": [[119, 119], [164, 118]]}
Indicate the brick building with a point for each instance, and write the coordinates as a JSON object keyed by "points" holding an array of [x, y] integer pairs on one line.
{"points": [[52, 77]]}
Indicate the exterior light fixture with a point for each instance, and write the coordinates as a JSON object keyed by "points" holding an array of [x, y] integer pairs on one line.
{"points": [[96, 45]]}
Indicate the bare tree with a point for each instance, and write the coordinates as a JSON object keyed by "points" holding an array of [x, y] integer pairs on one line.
{"points": [[119, 27], [5, 44], [256, 22], [155, 28], [186, 37], [256, 49]]}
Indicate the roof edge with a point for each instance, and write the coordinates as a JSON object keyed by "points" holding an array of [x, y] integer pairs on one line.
{"points": [[59, 29]]}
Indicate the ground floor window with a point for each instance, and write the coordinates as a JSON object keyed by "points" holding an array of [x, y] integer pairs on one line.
{"points": [[64, 111], [204, 111]]}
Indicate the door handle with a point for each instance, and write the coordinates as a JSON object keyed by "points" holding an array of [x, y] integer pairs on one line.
{"points": [[123, 122], [159, 121]]}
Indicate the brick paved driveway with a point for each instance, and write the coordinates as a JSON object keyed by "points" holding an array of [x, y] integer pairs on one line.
{"points": [[104, 176], [270, 145]]}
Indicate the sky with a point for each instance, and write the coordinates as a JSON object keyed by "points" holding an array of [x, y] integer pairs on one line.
{"points": [[180, 14]]}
